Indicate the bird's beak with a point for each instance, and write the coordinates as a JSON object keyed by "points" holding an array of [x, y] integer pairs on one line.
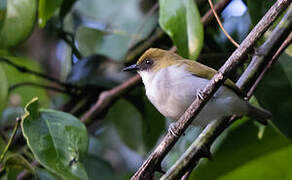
{"points": [[133, 67]]}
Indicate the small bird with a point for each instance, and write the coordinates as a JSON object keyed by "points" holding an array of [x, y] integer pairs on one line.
{"points": [[172, 84]]}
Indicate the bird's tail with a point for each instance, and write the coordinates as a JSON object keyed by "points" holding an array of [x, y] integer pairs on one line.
{"points": [[259, 114]]}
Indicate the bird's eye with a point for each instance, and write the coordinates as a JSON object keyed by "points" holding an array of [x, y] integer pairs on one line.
{"points": [[148, 61]]}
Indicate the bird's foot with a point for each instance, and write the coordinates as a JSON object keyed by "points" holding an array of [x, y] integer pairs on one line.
{"points": [[172, 128], [200, 94]]}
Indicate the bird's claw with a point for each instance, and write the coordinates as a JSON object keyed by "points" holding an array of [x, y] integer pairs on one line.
{"points": [[172, 128], [200, 94]]}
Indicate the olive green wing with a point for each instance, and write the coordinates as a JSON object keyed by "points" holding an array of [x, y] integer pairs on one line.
{"points": [[206, 72]]}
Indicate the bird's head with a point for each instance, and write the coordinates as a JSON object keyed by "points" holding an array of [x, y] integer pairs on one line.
{"points": [[154, 60]]}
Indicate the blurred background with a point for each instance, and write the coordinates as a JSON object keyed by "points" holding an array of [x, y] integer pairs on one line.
{"points": [[86, 43]]}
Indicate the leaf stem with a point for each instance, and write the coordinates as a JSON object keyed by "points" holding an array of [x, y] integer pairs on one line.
{"points": [[17, 123], [71, 42]]}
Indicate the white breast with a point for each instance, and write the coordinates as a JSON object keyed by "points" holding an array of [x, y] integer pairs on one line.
{"points": [[172, 90]]}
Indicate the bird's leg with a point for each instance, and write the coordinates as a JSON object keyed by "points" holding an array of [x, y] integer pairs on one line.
{"points": [[171, 129], [200, 94]]}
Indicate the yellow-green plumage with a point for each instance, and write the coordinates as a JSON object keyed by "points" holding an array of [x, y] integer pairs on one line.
{"points": [[172, 84]]}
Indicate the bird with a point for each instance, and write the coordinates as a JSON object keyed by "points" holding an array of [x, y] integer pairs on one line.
{"points": [[172, 83]]}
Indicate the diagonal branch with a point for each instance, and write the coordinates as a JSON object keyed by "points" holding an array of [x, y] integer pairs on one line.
{"points": [[192, 155], [107, 98], [153, 162]]}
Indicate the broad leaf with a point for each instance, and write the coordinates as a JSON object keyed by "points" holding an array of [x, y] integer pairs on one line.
{"points": [[242, 156], [139, 126], [274, 93], [91, 41], [181, 21], [58, 140], [96, 167], [3, 89], [46, 10], [43, 174], [153, 124], [118, 25], [128, 122], [18, 22]]}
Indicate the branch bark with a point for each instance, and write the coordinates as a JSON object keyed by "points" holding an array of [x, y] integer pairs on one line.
{"points": [[107, 98], [191, 157], [153, 162]]}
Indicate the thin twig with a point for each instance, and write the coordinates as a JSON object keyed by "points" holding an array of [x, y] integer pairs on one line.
{"points": [[71, 42], [106, 98], [14, 86], [10, 139], [208, 17], [25, 174], [221, 26], [282, 48], [104, 103], [153, 162], [39, 74]]}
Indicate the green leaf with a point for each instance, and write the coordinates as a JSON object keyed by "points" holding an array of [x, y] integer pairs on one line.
{"points": [[46, 10], [23, 94], [242, 155], [139, 126], [153, 125], [258, 8], [15, 162], [3, 9], [2, 144], [181, 21], [275, 165], [94, 41], [288, 51], [58, 140], [3, 89], [18, 22], [96, 167], [120, 25], [128, 122], [43, 174], [274, 93]]}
